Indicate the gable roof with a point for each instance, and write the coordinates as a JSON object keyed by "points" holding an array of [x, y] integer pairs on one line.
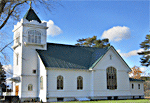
{"points": [[31, 15], [70, 56]]}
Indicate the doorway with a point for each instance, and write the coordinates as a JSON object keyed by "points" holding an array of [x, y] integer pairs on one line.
{"points": [[17, 90]]}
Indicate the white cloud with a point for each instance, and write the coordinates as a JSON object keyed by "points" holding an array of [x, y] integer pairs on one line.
{"points": [[9, 70], [53, 29], [143, 69], [117, 33], [129, 54]]}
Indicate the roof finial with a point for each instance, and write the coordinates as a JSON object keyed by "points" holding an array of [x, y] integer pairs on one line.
{"points": [[30, 4]]}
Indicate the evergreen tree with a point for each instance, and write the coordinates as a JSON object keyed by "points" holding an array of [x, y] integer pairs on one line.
{"points": [[145, 60], [2, 78], [93, 42]]}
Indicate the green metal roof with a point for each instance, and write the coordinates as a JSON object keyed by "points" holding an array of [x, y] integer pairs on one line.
{"points": [[132, 79], [70, 56], [31, 15]]}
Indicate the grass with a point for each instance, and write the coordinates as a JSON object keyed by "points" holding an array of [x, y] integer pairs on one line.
{"points": [[111, 101]]}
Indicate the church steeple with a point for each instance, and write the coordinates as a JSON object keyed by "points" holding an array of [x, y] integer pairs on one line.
{"points": [[31, 15]]}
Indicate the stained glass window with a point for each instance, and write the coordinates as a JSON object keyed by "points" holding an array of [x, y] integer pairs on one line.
{"points": [[79, 83], [111, 78], [60, 82]]}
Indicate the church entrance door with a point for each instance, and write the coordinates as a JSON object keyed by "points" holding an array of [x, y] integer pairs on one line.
{"points": [[17, 90]]}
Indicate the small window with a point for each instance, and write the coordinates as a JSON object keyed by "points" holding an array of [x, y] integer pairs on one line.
{"points": [[34, 71], [17, 57], [138, 86], [30, 87], [59, 82], [132, 86], [110, 57], [79, 83], [41, 82]]}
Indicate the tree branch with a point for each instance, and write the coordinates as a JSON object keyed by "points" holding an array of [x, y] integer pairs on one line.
{"points": [[9, 14], [6, 46], [2, 5]]}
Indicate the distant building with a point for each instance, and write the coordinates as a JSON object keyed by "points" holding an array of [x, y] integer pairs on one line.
{"points": [[59, 72]]}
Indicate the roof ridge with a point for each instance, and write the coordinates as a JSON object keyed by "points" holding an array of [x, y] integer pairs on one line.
{"points": [[76, 45]]}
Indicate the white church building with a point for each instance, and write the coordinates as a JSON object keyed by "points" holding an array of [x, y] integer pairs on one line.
{"points": [[60, 72]]}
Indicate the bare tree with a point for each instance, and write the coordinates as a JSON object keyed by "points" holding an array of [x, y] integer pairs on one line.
{"points": [[11, 9]]}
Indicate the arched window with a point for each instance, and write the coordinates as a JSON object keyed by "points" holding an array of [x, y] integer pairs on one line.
{"points": [[79, 82], [60, 82], [30, 87], [34, 36], [111, 78]]}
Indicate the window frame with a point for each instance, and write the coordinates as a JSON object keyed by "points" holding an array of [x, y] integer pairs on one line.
{"points": [[79, 83], [60, 82], [132, 86], [139, 86], [34, 36], [111, 77], [30, 87]]}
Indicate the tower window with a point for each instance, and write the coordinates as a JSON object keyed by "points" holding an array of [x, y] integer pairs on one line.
{"points": [[17, 57], [30, 87], [34, 36], [17, 38]]}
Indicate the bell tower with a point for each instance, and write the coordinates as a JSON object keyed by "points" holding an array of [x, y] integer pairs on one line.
{"points": [[29, 35]]}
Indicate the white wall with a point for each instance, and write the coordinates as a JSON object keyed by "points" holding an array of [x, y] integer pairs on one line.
{"points": [[100, 77], [42, 72], [136, 91], [70, 83]]}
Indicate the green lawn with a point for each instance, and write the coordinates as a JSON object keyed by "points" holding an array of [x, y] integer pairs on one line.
{"points": [[111, 101]]}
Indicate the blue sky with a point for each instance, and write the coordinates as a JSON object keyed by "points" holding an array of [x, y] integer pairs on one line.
{"points": [[125, 23]]}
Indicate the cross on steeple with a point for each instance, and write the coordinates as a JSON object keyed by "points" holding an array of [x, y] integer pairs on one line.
{"points": [[30, 4]]}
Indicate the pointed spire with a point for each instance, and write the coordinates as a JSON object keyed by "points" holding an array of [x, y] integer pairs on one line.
{"points": [[31, 15]]}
